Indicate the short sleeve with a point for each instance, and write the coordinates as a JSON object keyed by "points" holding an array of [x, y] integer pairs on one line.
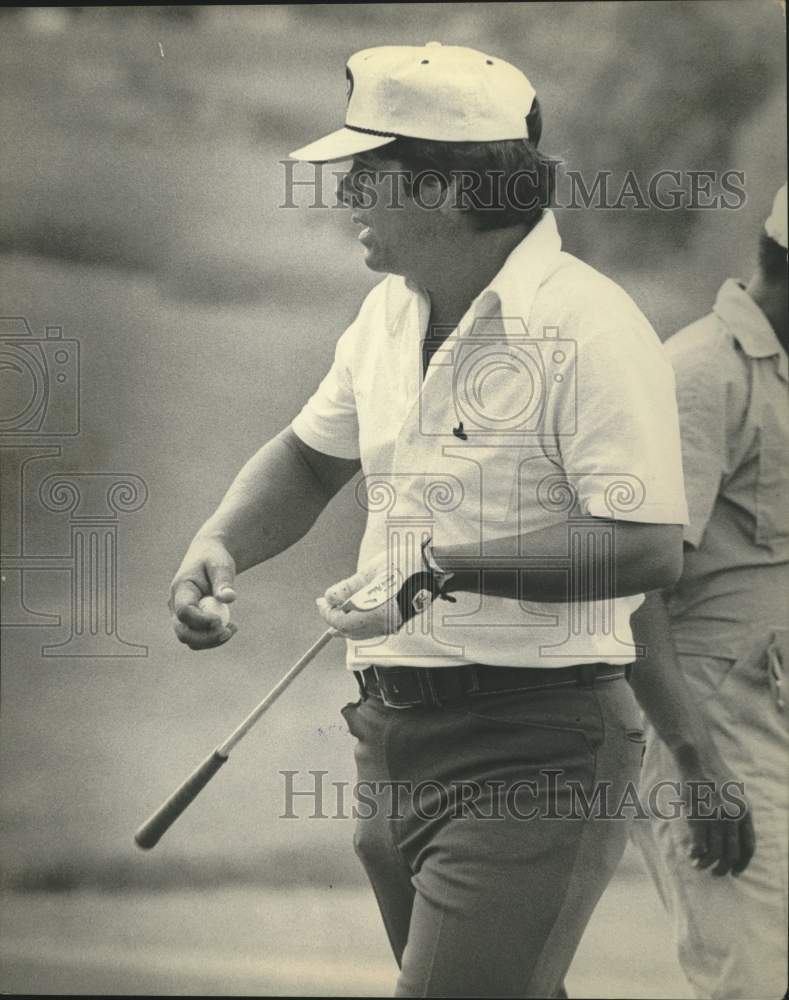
{"points": [[624, 458], [701, 399], [328, 420]]}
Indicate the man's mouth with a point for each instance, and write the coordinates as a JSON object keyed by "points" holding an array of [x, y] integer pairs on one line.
{"points": [[365, 232]]}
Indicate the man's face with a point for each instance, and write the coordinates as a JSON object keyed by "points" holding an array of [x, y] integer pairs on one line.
{"points": [[397, 232]]}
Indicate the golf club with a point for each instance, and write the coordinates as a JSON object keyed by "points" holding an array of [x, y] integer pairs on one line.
{"points": [[369, 597], [152, 830]]}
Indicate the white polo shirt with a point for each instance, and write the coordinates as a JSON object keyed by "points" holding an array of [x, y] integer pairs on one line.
{"points": [[553, 389]]}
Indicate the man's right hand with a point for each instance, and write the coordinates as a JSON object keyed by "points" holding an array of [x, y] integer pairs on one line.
{"points": [[207, 570]]}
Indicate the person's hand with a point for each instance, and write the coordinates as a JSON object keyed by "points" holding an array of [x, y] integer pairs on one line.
{"points": [[720, 822], [376, 601], [207, 570]]}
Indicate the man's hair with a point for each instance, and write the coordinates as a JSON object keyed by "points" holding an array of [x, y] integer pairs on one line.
{"points": [[503, 183], [772, 259]]}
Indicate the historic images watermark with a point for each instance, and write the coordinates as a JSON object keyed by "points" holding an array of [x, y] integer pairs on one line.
{"points": [[549, 796], [40, 414], [305, 185]]}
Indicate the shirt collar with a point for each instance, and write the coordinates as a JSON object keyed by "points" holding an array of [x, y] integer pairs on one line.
{"points": [[749, 326], [512, 291]]}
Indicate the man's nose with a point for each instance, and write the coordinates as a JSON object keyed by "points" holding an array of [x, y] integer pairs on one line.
{"points": [[342, 192], [356, 189], [346, 193]]}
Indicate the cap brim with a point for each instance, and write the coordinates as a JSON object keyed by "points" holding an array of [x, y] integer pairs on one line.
{"points": [[340, 145]]}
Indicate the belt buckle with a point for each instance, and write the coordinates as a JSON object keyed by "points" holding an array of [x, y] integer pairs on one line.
{"points": [[388, 689]]}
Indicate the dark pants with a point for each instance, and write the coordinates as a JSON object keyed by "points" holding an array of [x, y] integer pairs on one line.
{"points": [[485, 883]]}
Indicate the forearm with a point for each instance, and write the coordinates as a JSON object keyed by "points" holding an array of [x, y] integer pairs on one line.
{"points": [[662, 691], [532, 567], [272, 503]]}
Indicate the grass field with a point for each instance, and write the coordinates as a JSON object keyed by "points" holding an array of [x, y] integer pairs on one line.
{"points": [[308, 942]]}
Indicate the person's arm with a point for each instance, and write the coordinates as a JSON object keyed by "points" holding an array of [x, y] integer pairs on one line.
{"points": [[725, 842], [643, 557], [272, 503], [276, 498], [385, 596]]}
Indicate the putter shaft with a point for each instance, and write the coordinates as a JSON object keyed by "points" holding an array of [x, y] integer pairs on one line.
{"points": [[240, 732]]}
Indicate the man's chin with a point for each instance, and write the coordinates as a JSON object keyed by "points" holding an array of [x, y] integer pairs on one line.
{"points": [[374, 260], [378, 261]]}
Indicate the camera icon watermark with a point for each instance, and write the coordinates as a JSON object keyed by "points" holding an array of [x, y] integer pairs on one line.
{"points": [[39, 407], [40, 379], [501, 382]]}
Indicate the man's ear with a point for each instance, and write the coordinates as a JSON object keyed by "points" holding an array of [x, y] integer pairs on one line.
{"points": [[428, 191], [451, 201]]}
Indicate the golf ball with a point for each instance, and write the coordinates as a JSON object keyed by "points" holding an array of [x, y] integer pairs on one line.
{"points": [[211, 606]]}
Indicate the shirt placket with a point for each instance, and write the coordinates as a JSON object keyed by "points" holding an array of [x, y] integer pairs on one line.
{"points": [[431, 413]]}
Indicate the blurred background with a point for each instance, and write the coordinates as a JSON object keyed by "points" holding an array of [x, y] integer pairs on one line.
{"points": [[141, 215]]}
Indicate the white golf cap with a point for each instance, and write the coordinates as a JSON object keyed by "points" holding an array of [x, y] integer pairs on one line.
{"points": [[446, 93], [776, 224]]}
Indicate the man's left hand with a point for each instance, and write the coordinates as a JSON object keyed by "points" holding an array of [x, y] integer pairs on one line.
{"points": [[376, 601]]}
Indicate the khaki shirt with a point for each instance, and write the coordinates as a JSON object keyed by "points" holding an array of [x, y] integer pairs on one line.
{"points": [[731, 376]]}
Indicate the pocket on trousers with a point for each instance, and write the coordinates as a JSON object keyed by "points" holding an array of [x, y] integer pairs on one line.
{"points": [[348, 713], [563, 711], [758, 679], [638, 739], [748, 673]]}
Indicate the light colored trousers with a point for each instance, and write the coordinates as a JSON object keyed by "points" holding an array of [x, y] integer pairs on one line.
{"points": [[730, 932]]}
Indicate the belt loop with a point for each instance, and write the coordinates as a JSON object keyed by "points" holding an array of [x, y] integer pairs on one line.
{"points": [[473, 677], [428, 687], [587, 673], [360, 684]]}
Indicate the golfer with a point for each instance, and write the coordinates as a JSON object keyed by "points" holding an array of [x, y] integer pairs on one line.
{"points": [[513, 415]]}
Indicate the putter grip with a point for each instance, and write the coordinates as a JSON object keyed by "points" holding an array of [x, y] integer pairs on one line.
{"points": [[152, 830]]}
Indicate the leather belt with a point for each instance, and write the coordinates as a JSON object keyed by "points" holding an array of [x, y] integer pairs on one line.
{"points": [[431, 687]]}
